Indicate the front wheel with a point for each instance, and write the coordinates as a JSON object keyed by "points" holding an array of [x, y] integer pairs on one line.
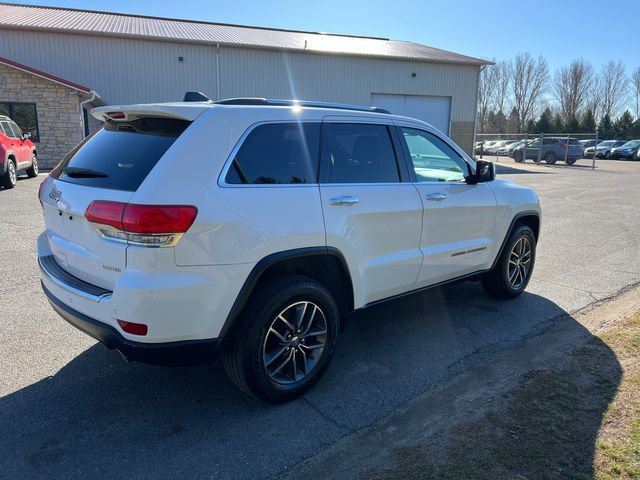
{"points": [[550, 158], [570, 161], [10, 177], [512, 272], [32, 171], [284, 340], [518, 157]]}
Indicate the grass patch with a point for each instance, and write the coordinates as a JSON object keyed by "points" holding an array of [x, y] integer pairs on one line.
{"points": [[578, 420]]}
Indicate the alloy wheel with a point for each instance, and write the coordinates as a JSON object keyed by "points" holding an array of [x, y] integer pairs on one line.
{"points": [[13, 177], [294, 343], [34, 164], [519, 263]]}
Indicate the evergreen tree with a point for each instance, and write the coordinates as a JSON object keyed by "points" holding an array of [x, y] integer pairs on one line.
{"points": [[513, 122], [573, 126], [588, 124], [501, 122], [635, 130], [557, 125], [623, 126], [543, 125], [531, 126], [606, 127]]}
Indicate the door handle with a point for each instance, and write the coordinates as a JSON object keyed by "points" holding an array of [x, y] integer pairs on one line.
{"points": [[346, 200], [436, 197]]}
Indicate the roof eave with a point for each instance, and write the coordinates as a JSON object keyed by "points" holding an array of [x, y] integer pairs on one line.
{"points": [[469, 61]]}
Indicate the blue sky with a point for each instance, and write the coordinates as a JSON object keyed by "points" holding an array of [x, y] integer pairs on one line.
{"points": [[559, 30]]}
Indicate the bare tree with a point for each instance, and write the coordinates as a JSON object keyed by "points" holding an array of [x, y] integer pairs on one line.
{"points": [[529, 77], [635, 86], [594, 101], [486, 88], [572, 86], [501, 90], [613, 88]]}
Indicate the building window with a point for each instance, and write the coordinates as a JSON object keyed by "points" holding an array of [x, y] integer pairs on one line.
{"points": [[25, 115]]}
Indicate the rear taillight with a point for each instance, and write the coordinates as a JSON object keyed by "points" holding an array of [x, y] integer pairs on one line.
{"points": [[144, 225]]}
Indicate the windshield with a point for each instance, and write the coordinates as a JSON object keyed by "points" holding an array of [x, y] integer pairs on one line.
{"points": [[631, 144], [607, 143]]}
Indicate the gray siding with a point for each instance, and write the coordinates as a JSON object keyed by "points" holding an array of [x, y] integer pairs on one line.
{"points": [[134, 71]]}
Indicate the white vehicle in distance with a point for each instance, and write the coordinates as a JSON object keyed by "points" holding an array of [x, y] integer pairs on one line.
{"points": [[252, 227]]}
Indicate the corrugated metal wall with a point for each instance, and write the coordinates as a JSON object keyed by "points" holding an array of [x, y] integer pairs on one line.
{"points": [[134, 71]]}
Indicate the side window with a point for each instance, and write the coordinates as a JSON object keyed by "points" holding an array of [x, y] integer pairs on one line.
{"points": [[279, 153], [433, 160], [16, 130], [2, 129], [11, 130], [24, 114], [359, 153]]}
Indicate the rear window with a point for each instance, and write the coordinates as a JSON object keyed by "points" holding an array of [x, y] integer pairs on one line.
{"points": [[120, 155]]}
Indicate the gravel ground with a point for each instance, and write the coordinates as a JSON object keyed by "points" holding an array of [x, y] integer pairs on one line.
{"points": [[71, 409]]}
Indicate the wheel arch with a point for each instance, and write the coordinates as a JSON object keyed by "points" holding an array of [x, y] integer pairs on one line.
{"points": [[530, 218], [324, 264]]}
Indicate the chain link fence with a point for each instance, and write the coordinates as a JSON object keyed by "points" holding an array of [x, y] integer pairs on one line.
{"points": [[563, 149]]}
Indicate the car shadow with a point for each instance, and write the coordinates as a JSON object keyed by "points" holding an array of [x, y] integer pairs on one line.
{"points": [[504, 170], [100, 416]]}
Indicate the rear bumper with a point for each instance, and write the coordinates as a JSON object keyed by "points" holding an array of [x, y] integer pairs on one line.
{"points": [[186, 352]]}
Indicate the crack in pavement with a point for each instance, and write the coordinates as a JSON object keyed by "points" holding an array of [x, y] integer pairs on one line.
{"points": [[326, 416]]}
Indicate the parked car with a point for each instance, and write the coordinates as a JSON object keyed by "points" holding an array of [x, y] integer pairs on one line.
{"points": [[491, 149], [590, 143], [17, 152], [300, 213], [513, 146], [553, 149], [503, 150], [603, 149], [484, 147], [627, 150]]}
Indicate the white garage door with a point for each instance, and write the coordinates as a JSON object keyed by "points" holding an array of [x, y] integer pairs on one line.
{"points": [[434, 110]]}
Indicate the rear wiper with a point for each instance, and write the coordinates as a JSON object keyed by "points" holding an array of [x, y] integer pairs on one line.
{"points": [[77, 172]]}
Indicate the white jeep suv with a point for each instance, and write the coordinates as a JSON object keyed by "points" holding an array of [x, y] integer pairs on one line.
{"points": [[251, 227]]}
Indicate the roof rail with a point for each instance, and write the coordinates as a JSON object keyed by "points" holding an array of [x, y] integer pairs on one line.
{"points": [[300, 103]]}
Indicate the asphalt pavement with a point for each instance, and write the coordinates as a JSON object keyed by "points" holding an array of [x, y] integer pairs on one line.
{"points": [[70, 408]]}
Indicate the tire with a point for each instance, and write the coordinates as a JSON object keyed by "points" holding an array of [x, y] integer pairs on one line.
{"points": [[607, 155], [571, 161], [550, 158], [32, 171], [260, 333], [10, 177], [497, 281], [518, 157]]}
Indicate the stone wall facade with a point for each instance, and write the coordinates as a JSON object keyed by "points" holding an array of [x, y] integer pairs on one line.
{"points": [[462, 134], [58, 111]]}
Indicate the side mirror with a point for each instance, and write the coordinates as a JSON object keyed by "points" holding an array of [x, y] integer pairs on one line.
{"points": [[26, 135], [485, 172]]}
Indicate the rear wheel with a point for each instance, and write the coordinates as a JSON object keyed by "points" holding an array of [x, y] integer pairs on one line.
{"points": [[284, 340], [513, 269], [10, 177], [550, 158], [32, 171]]}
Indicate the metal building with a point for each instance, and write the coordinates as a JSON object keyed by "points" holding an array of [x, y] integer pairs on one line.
{"points": [[135, 59]]}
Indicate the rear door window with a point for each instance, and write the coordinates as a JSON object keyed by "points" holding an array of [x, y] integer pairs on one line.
{"points": [[120, 155], [278, 153], [359, 153]]}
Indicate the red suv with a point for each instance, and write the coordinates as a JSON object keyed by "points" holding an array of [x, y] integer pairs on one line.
{"points": [[17, 152]]}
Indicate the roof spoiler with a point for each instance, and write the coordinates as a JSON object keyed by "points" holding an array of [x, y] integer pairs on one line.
{"points": [[195, 97]]}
